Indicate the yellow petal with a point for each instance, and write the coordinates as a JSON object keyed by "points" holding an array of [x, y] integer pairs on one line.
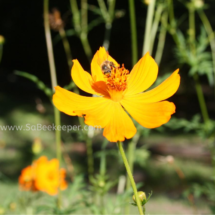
{"points": [[150, 115], [99, 112], [120, 125], [73, 104], [115, 121], [99, 115], [161, 92], [82, 78], [100, 56], [142, 76]]}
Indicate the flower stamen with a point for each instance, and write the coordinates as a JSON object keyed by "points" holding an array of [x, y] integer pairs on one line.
{"points": [[117, 79]]}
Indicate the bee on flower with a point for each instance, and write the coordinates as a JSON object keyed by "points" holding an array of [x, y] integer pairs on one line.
{"points": [[120, 93]]}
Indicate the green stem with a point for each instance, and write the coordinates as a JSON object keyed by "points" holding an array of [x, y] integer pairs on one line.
{"points": [[90, 161], [83, 34], [201, 99], [172, 26], [171, 12], [80, 24], [133, 31], [86, 45], [84, 14], [149, 18], [130, 177], [158, 13], [49, 44], [102, 204], [192, 31], [213, 157], [66, 47], [102, 174], [103, 158], [54, 83], [103, 9], [130, 152], [90, 156], [58, 134], [1, 51], [108, 23], [111, 7], [192, 38], [76, 16], [211, 36], [161, 38], [106, 43]]}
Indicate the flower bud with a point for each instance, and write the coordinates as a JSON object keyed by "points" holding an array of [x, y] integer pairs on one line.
{"points": [[147, 2], [198, 4], [2, 40], [37, 146], [101, 183], [142, 196]]}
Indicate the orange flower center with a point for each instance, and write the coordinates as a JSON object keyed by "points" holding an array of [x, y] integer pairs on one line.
{"points": [[51, 175], [116, 82]]}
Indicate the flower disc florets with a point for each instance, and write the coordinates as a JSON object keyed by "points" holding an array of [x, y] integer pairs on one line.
{"points": [[117, 79]]}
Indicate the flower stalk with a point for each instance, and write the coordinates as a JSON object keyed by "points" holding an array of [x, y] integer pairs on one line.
{"points": [[149, 19], [107, 15], [80, 21], [155, 25], [84, 30], [161, 38], [130, 177], [54, 83], [90, 161], [133, 31], [192, 37], [130, 153], [211, 36], [66, 47]]}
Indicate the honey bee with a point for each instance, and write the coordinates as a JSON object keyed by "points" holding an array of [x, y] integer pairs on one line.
{"points": [[107, 66]]}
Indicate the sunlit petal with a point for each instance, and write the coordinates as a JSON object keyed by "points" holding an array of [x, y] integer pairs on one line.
{"points": [[82, 78], [161, 92], [142, 76], [120, 125], [73, 104], [150, 115]]}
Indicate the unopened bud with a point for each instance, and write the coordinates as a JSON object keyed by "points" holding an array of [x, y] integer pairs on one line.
{"points": [[2, 40], [37, 146], [141, 195], [101, 183], [147, 2], [198, 4]]}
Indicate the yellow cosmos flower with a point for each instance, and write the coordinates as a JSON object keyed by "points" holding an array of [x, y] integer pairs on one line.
{"points": [[119, 93], [43, 175]]}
